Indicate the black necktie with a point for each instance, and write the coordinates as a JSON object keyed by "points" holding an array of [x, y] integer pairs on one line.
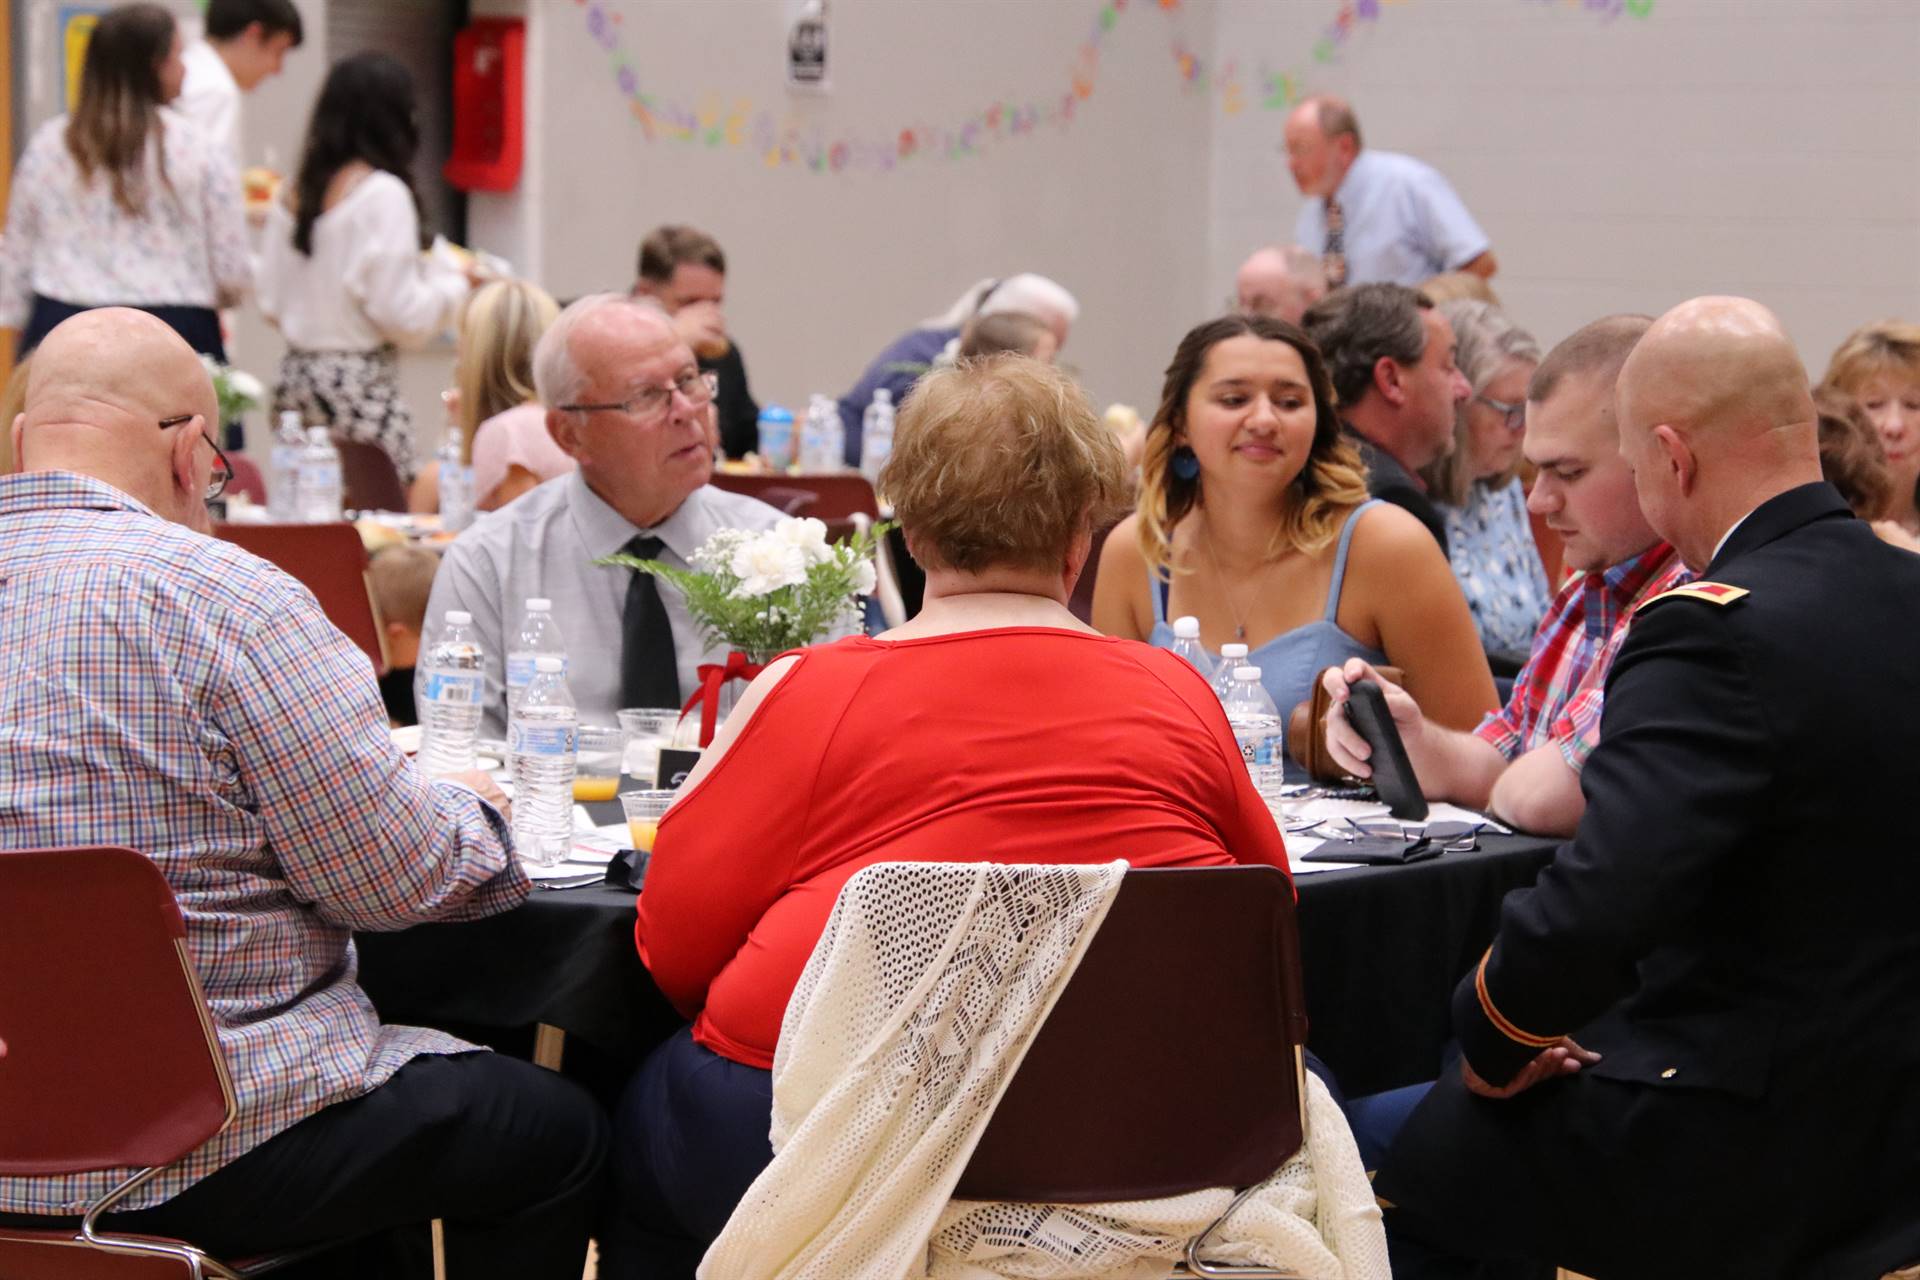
{"points": [[649, 671]]}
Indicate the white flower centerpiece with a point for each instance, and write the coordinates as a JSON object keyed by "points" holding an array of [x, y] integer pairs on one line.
{"points": [[235, 389], [760, 594]]}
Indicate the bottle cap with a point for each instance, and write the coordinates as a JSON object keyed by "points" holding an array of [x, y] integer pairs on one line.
{"points": [[549, 666], [538, 604], [882, 395], [1187, 628], [1246, 673], [458, 618], [1234, 650], [774, 413]]}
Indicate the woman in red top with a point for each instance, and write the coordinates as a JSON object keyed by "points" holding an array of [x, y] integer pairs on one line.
{"points": [[995, 726]]}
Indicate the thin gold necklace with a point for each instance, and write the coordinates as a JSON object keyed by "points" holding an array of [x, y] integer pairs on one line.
{"points": [[1239, 615]]}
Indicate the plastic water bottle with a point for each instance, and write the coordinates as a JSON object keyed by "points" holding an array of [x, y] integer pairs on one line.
{"points": [[776, 437], [834, 435], [452, 689], [876, 435], [538, 637], [1232, 656], [1257, 728], [818, 448], [456, 484], [1186, 644], [319, 487], [541, 746], [283, 480]]}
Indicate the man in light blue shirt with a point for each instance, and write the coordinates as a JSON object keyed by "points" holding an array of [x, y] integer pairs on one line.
{"points": [[1375, 215]]}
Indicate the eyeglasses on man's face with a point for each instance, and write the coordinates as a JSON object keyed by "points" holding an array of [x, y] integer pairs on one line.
{"points": [[222, 471], [650, 404], [1514, 415]]}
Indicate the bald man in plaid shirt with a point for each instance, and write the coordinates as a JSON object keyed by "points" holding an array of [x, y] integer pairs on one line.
{"points": [[169, 692]]}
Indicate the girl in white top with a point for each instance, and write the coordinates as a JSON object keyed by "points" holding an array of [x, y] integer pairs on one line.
{"points": [[124, 203], [342, 274]]}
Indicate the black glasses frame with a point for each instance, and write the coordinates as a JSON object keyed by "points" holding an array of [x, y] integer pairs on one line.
{"points": [[216, 483]]}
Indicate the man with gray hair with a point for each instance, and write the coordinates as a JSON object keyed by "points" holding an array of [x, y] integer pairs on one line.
{"points": [[627, 401], [1375, 215], [1389, 353], [1280, 282]]}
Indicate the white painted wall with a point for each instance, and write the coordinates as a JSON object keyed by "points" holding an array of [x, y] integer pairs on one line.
{"points": [[1761, 147]]}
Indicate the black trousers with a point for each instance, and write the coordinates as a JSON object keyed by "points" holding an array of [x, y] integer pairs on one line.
{"points": [[508, 1155]]}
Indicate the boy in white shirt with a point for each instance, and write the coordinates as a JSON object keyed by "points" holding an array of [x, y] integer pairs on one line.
{"points": [[245, 41]]}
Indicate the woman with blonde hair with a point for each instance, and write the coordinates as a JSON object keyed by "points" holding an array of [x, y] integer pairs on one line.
{"points": [[1879, 366], [503, 428], [124, 202], [1478, 490], [1253, 516]]}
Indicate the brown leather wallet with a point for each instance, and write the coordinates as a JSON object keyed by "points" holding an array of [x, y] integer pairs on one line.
{"points": [[1307, 729]]}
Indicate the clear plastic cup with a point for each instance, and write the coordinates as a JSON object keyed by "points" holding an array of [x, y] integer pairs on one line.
{"points": [[648, 730], [598, 758], [644, 810]]}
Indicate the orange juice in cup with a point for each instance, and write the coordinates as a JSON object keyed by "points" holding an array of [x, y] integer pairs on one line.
{"points": [[644, 810], [597, 757]]}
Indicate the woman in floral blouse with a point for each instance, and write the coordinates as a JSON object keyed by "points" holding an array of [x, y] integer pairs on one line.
{"points": [[1489, 540], [124, 202]]}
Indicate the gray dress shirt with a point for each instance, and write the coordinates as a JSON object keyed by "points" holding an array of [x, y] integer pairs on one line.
{"points": [[544, 544]]}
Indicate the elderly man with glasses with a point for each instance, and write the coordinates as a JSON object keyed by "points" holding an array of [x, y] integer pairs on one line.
{"points": [[169, 692], [626, 399]]}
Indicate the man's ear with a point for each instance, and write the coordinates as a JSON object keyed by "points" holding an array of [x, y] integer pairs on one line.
{"points": [[564, 428], [1679, 458], [1387, 381], [180, 458]]}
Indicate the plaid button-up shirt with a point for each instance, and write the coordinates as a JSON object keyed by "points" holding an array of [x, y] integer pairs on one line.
{"points": [[172, 693], [1557, 696]]}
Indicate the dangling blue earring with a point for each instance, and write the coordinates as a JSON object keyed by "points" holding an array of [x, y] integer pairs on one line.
{"points": [[1185, 465]]}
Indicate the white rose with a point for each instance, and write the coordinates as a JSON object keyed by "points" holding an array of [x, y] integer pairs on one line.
{"points": [[864, 578], [808, 535], [245, 384], [765, 564]]}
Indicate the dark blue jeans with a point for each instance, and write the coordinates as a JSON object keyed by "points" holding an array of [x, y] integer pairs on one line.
{"points": [[690, 1136]]}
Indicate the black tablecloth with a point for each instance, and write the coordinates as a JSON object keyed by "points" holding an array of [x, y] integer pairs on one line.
{"points": [[1381, 949]]}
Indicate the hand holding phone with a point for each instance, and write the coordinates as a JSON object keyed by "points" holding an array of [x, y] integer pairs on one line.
{"points": [[1393, 775]]}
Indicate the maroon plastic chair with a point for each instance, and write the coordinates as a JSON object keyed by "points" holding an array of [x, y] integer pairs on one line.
{"points": [[825, 495], [332, 561], [111, 1060], [368, 479], [1174, 1059], [246, 478]]}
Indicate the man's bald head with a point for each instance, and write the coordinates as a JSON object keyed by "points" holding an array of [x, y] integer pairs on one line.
{"points": [[1280, 282], [98, 388], [1716, 416], [1322, 137]]}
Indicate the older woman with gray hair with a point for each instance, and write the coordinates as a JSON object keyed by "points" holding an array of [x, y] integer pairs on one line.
{"points": [[1476, 486]]}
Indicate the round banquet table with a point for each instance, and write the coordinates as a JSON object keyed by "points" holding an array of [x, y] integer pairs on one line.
{"points": [[1381, 949]]}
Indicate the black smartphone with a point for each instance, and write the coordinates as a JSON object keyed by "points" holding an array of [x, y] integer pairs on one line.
{"points": [[1393, 776]]}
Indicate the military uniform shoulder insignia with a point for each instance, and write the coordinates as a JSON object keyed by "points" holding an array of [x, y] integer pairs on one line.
{"points": [[1711, 592]]}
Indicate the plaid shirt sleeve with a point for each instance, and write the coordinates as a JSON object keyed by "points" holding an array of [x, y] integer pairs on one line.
{"points": [[1505, 730], [359, 832]]}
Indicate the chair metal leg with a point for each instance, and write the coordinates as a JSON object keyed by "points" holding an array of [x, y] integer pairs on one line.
{"points": [[1196, 1265]]}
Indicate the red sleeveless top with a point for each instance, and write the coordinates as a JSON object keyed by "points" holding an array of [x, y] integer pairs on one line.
{"points": [[1013, 745]]}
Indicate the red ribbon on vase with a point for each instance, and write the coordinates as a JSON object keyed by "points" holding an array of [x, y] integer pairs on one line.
{"points": [[712, 676]]}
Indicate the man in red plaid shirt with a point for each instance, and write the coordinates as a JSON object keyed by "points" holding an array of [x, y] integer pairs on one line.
{"points": [[1523, 763]]}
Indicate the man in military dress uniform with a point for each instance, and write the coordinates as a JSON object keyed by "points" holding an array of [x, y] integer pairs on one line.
{"points": [[1693, 1048]]}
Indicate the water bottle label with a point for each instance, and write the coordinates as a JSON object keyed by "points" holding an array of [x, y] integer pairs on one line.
{"points": [[454, 688], [520, 667], [542, 739]]}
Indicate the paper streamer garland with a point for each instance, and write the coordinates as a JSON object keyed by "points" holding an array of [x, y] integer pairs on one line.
{"points": [[714, 123]]}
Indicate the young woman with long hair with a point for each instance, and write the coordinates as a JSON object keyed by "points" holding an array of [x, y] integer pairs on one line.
{"points": [[1253, 516], [342, 274], [123, 202]]}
